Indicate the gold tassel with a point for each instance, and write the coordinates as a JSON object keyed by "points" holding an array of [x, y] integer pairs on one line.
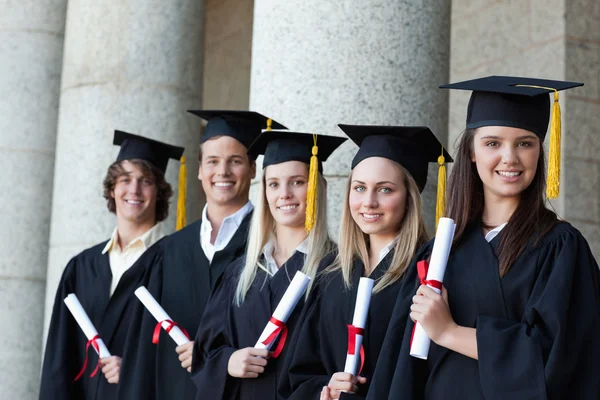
{"points": [[269, 123], [553, 179], [440, 206], [311, 194], [553, 185], [181, 195]]}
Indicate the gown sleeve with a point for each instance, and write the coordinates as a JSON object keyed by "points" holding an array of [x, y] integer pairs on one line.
{"points": [[553, 351], [60, 361], [213, 345]]}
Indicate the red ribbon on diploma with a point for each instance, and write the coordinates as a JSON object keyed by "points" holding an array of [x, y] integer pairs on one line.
{"points": [[171, 325], [94, 343], [353, 331], [281, 328], [422, 269]]}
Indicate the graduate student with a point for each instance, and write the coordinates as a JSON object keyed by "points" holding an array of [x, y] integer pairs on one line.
{"points": [[193, 258], [519, 313], [225, 364], [104, 276], [381, 229]]}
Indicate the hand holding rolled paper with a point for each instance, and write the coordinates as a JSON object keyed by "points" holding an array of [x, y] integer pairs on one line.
{"points": [[179, 335], [432, 275], [276, 326], [356, 330], [84, 322]]}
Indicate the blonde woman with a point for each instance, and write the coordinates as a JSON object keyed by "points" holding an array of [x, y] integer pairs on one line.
{"points": [[225, 364], [381, 230]]}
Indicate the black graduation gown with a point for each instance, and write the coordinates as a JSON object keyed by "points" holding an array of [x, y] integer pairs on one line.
{"points": [[226, 328], [88, 275], [181, 282], [320, 344], [537, 326]]}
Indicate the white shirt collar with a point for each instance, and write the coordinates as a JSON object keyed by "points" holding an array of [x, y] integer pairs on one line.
{"points": [[228, 228], [385, 251], [494, 232], [270, 248], [148, 238]]}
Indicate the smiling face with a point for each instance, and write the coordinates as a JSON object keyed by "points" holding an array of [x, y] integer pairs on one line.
{"points": [[226, 171], [135, 195], [506, 159], [378, 197], [286, 185]]}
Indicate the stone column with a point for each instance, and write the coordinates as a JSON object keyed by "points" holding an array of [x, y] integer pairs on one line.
{"points": [[554, 39], [319, 63], [134, 66], [31, 45]]}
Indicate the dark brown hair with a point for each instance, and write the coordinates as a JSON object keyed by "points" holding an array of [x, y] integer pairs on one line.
{"points": [[531, 219], [164, 190]]}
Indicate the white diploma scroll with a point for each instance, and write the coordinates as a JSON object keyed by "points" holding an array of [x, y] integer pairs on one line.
{"points": [[284, 309], [361, 310], [84, 323], [160, 315], [437, 267]]}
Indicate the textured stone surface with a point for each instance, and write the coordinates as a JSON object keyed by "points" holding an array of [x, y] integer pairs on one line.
{"points": [[31, 47], [227, 54], [134, 66], [316, 64], [22, 305]]}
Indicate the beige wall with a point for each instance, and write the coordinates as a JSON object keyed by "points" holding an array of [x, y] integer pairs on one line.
{"points": [[546, 39], [227, 50]]}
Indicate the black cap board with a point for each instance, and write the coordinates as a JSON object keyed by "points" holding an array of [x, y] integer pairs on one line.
{"points": [[511, 101], [244, 126], [281, 146], [413, 147], [139, 147]]}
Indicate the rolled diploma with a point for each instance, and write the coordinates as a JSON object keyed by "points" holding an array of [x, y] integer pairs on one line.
{"points": [[284, 309], [84, 323], [361, 310], [160, 314], [437, 268]]}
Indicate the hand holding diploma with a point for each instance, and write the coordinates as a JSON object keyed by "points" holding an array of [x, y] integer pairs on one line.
{"points": [[276, 325], [356, 330], [84, 322], [431, 275]]}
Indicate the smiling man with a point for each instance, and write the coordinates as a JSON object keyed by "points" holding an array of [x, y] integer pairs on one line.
{"points": [[195, 257], [104, 276]]}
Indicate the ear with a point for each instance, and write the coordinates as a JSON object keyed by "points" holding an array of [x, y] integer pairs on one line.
{"points": [[200, 171]]}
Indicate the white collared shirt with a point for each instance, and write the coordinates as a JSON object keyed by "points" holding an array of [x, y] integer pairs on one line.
{"points": [[228, 228], [494, 232], [270, 260], [122, 259], [385, 251]]}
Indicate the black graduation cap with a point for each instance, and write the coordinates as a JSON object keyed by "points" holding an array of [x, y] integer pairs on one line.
{"points": [[281, 146], [155, 152], [511, 101], [244, 126], [413, 147], [519, 103]]}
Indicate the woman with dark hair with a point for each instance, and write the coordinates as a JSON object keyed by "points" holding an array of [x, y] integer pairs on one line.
{"points": [[519, 312]]}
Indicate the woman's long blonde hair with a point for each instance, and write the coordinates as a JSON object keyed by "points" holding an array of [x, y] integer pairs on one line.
{"points": [[353, 243], [262, 229]]}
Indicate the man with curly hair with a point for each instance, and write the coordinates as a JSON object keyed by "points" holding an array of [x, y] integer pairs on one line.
{"points": [[104, 276]]}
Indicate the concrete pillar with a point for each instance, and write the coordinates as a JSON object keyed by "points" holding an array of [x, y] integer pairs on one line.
{"points": [[555, 39], [31, 46], [135, 66], [319, 63]]}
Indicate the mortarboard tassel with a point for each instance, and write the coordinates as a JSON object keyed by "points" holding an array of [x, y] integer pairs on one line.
{"points": [[553, 185], [440, 206], [311, 195], [269, 123], [181, 195]]}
